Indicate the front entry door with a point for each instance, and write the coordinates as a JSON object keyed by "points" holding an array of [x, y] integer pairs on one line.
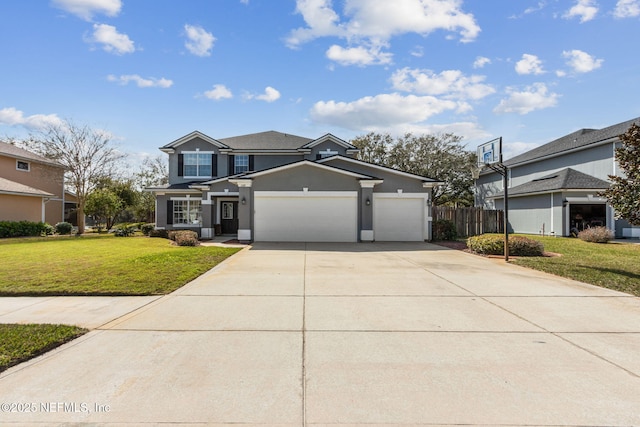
{"points": [[229, 217]]}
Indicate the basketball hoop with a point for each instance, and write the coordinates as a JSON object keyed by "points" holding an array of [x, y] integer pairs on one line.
{"points": [[475, 172]]}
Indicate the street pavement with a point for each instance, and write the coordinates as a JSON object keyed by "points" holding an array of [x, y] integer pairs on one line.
{"points": [[339, 334]]}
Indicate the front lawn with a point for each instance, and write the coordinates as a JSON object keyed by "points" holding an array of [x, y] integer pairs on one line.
{"points": [[21, 342], [101, 265], [609, 265]]}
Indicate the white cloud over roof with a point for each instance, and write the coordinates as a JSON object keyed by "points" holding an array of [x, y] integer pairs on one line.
{"points": [[86, 9], [218, 92], [534, 97], [13, 117], [112, 41], [451, 84], [581, 62], [140, 81]]}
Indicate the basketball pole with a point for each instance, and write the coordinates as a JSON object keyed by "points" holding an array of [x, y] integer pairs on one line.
{"points": [[505, 178]]}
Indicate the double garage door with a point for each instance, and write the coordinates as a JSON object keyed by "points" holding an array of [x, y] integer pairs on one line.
{"points": [[301, 216], [319, 216]]}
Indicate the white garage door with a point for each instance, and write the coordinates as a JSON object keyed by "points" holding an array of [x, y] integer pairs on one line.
{"points": [[398, 218], [313, 216]]}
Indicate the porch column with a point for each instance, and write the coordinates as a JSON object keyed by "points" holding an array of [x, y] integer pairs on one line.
{"points": [[245, 209], [207, 217]]}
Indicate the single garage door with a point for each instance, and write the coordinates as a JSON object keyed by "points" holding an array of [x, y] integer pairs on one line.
{"points": [[399, 218], [299, 216]]}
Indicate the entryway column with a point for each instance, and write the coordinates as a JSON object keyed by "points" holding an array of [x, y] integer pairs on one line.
{"points": [[366, 209], [245, 209]]}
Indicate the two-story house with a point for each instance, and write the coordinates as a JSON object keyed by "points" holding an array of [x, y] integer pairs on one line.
{"points": [[554, 188], [272, 186], [31, 186]]}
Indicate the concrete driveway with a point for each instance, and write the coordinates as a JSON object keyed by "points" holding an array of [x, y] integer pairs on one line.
{"points": [[351, 334]]}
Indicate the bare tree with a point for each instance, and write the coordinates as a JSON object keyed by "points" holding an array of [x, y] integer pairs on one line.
{"points": [[87, 154]]}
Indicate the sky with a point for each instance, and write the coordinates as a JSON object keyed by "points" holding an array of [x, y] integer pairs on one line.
{"points": [[152, 71]]}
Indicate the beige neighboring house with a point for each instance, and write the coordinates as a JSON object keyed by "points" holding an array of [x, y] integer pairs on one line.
{"points": [[31, 187]]}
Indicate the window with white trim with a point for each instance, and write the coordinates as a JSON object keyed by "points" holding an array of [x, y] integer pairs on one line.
{"points": [[187, 212], [197, 165], [241, 163], [22, 166], [327, 153]]}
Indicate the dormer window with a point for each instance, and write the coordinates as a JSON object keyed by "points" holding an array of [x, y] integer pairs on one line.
{"points": [[22, 166], [197, 164]]}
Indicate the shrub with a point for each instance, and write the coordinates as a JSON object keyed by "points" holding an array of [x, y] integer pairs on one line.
{"points": [[444, 229], [523, 246], [48, 230], [596, 235], [22, 228], [64, 228], [147, 228], [123, 230], [164, 234], [185, 237], [493, 244]]}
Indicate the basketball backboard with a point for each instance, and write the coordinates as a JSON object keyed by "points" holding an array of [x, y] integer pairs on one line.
{"points": [[490, 152]]}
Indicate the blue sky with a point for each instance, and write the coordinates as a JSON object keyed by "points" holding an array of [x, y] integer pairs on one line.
{"points": [[151, 71]]}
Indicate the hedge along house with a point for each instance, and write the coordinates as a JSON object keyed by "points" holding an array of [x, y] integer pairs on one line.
{"points": [[273, 186], [554, 188]]}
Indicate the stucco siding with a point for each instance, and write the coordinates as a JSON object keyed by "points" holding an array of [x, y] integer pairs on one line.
{"points": [[20, 208], [305, 176], [194, 145], [262, 162]]}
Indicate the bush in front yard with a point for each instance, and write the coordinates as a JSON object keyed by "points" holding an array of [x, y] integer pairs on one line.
{"points": [[22, 228], [163, 234], [64, 228], [444, 229], [493, 244], [147, 228], [123, 230], [596, 235], [185, 237]]}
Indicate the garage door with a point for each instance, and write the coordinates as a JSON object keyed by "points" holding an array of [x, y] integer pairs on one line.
{"points": [[313, 216], [399, 218]]}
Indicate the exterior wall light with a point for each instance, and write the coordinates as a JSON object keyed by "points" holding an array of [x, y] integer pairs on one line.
{"points": [[367, 202], [244, 201]]}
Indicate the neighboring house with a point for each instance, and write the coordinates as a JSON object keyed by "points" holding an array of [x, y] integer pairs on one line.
{"points": [[31, 186], [554, 188], [273, 186]]}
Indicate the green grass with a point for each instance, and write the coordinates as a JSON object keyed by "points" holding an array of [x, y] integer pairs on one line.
{"points": [[611, 265], [101, 265], [21, 342]]}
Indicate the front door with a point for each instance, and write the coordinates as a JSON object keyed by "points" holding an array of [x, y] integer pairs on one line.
{"points": [[229, 217]]}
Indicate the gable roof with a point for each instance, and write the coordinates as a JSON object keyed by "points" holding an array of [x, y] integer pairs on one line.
{"points": [[332, 138], [12, 187], [11, 150], [565, 179], [378, 167], [195, 134], [573, 141], [306, 163], [270, 140]]}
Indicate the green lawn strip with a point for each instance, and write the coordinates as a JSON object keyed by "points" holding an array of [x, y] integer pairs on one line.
{"points": [[611, 265], [104, 265], [22, 342]]}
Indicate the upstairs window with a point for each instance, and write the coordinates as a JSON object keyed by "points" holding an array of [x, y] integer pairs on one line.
{"points": [[22, 166], [326, 153], [197, 165], [241, 163]]}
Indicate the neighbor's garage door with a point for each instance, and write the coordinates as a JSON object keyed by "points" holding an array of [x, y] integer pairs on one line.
{"points": [[313, 216], [399, 218]]}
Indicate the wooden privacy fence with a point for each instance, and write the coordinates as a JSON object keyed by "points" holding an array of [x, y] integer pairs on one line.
{"points": [[471, 221]]}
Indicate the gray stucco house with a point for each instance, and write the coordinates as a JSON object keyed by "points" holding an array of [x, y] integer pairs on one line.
{"points": [[555, 187], [272, 186]]}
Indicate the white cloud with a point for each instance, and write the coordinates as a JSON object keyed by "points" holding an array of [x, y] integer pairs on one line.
{"points": [[12, 117], [200, 42], [586, 10], [358, 55], [481, 61], [374, 22], [535, 97], [452, 84], [85, 9], [529, 64], [111, 39], [627, 9], [270, 94], [140, 81], [380, 111], [581, 62], [512, 149], [417, 51], [218, 92]]}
